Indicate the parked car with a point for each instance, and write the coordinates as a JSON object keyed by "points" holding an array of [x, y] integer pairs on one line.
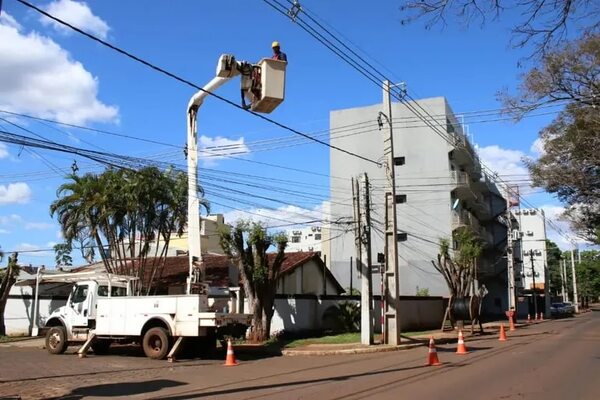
{"points": [[569, 309], [556, 310]]}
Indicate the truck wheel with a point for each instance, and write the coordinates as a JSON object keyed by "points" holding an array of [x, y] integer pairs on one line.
{"points": [[101, 346], [56, 340], [156, 343]]}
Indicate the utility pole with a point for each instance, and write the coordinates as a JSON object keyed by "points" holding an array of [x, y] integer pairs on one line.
{"points": [[535, 307], [392, 279], [509, 255], [563, 278], [366, 304], [574, 278]]}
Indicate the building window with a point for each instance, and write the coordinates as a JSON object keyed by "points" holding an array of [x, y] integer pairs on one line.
{"points": [[295, 239], [317, 236]]}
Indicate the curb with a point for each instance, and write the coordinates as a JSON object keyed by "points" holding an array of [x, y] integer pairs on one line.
{"points": [[360, 350]]}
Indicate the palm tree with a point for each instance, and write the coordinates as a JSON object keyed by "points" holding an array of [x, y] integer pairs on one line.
{"points": [[125, 212]]}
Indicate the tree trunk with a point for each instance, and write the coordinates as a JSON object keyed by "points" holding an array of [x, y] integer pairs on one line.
{"points": [[257, 333], [7, 282]]}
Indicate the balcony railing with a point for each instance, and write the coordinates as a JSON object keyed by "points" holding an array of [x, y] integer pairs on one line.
{"points": [[460, 179]]}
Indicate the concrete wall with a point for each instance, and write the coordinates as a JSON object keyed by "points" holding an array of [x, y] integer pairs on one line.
{"points": [[301, 313], [18, 316]]}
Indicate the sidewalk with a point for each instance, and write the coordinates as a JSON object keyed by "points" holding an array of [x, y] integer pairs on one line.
{"points": [[490, 329]]}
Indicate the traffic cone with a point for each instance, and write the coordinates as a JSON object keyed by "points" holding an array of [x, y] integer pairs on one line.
{"points": [[230, 359], [541, 316], [511, 324], [528, 318], [432, 358], [461, 349], [502, 337]]}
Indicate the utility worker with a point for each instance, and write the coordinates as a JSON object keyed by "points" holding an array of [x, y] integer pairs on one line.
{"points": [[277, 53]]}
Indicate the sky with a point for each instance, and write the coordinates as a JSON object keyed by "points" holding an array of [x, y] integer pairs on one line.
{"points": [[49, 71]]}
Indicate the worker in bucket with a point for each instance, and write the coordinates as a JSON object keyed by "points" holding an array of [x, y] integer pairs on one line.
{"points": [[277, 53]]}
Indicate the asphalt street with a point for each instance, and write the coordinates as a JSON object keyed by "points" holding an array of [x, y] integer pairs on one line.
{"points": [[551, 360]]}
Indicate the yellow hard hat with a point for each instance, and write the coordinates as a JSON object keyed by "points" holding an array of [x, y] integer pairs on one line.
{"points": [[275, 44]]}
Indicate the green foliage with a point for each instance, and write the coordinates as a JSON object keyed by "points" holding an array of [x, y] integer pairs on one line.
{"points": [[588, 274], [353, 292], [62, 254], [122, 212], [422, 292], [343, 317], [248, 243], [457, 265]]}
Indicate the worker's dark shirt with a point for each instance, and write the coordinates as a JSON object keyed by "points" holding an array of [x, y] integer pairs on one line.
{"points": [[281, 56]]}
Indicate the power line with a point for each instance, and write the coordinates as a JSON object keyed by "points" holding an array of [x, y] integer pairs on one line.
{"points": [[189, 83]]}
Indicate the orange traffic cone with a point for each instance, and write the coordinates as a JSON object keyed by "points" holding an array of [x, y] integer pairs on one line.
{"points": [[502, 337], [511, 324], [230, 359], [461, 349], [432, 358]]}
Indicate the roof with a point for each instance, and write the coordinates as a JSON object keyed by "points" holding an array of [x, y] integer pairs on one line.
{"points": [[217, 268]]}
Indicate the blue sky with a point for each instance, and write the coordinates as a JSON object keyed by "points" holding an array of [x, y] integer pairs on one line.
{"points": [[49, 72]]}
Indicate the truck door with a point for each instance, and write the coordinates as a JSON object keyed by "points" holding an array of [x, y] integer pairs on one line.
{"points": [[79, 305]]}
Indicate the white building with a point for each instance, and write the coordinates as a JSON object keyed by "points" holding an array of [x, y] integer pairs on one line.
{"points": [[304, 239], [531, 268]]}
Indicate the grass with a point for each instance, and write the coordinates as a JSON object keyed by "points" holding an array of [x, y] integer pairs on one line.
{"points": [[8, 339], [343, 338]]}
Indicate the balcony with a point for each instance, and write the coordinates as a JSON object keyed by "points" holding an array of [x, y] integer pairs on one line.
{"points": [[462, 185], [464, 154], [464, 219], [482, 209]]}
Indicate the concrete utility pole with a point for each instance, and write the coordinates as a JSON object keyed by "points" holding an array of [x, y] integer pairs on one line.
{"points": [[574, 278], [392, 279], [535, 307], [366, 304], [563, 278], [510, 256]]}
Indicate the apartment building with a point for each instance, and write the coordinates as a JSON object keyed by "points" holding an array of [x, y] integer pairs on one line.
{"points": [[440, 184], [531, 267]]}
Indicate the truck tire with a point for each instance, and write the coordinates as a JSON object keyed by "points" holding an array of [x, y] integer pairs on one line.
{"points": [[101, 346], [56, 340], [156, 343]]}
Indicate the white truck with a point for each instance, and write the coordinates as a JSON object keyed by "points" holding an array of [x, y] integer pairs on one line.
{"points": [[101, 310]]}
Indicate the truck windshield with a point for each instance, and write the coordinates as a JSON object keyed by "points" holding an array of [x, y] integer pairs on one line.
{"points": [[116, 291], [80, 294]]}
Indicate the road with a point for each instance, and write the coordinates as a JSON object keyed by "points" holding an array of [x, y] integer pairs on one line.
{"points": [[552, 360]]}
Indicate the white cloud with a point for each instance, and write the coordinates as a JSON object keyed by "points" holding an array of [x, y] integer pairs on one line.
{"points": [[39, 226], [10, 219], [45, 81], [275, 217], [15, 193], [3, 151], [4, 231], [33, 250], [505, 162], [76, 13], [556, 222], [216, 148], [537, 147]]}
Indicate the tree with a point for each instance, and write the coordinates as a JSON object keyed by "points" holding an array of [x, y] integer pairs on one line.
{"points": [[588, 274], [8, 277], [247, 243], [569, 165], [542, 23], [128, 215], [458, 266], [553, 257], [62, 254]]}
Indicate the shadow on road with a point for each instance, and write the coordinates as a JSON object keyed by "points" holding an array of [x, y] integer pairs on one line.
{"points": [[199, 393], [120, 389], [469, 348]]}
